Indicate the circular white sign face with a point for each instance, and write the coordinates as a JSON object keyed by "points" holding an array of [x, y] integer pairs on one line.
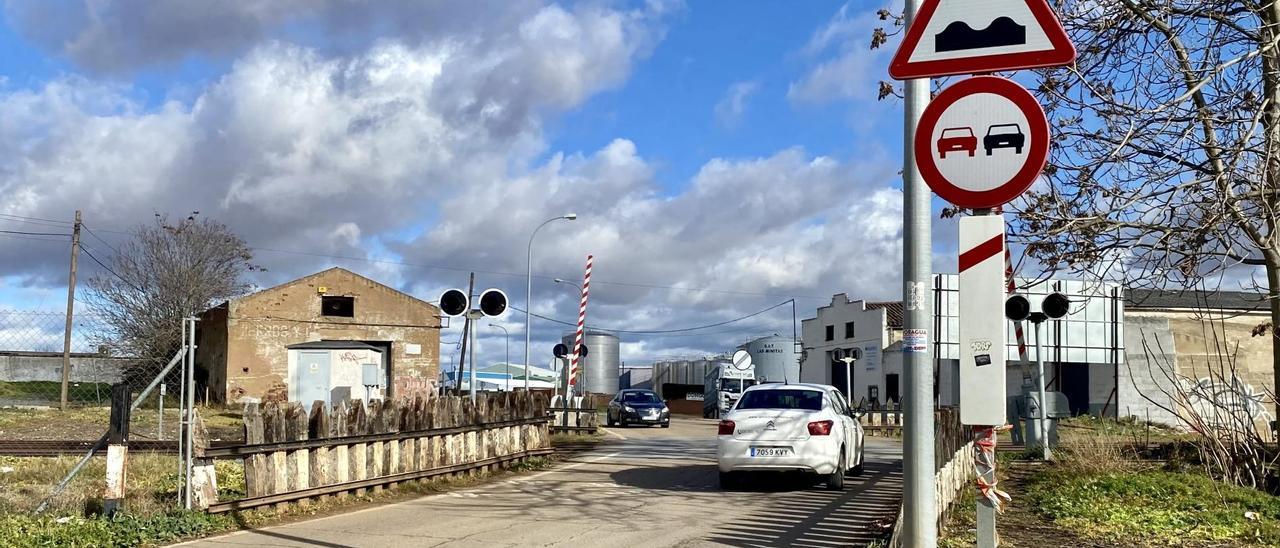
{"points": [[981, 142], [982, 138], [741, 360]]}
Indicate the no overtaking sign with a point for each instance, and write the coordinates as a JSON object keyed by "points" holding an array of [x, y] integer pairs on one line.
{"points": [[982, 142]]}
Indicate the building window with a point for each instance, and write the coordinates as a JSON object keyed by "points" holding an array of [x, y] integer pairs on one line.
{"points": [[831, 332], [848, 330], [344, 307]]}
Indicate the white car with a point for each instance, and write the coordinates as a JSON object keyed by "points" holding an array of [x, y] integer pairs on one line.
{"points": [[791, 427]]}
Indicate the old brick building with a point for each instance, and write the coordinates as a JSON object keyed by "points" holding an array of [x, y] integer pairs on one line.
{"points": [[319, 335]]}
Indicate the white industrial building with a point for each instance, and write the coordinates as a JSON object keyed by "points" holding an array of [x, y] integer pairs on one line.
{"points": [[870, 330], [1082, 350]]}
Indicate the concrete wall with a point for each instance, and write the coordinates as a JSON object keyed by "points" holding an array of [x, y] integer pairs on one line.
{"points": [[1149, 369], [1164, 347], [47, 366], [260, 326]]}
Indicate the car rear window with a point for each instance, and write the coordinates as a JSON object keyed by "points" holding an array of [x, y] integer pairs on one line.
{"points": [[810, 400], [639, 397]]}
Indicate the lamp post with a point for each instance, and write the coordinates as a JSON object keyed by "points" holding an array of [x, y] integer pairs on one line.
{"points": [[528, 288], [508, 338], [580, 294]]}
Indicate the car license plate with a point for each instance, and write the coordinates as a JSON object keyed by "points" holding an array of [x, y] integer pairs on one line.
{"points": [[771, 451]]}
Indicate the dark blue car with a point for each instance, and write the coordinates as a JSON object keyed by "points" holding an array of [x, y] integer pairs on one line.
{"points": [[637, 407]]}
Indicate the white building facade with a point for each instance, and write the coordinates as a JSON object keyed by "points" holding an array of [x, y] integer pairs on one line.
{"points": [[1084, 351], [871, 332]]}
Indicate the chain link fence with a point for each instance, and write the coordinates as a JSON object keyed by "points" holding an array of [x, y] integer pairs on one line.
{"points": [[41, 443]]}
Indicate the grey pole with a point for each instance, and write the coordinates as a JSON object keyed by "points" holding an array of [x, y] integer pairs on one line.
{"points": [[191, 408], [528, 288], [182, 404], [918, 504], [1042, 425], [508, 338], [471, 378]]}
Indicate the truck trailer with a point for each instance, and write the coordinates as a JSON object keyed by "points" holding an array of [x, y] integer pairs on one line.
{"points": [[722, 386]]}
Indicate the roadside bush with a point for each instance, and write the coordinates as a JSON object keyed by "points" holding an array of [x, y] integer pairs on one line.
{"points": [[22, 531], [1156, 507], [1095, 454]]}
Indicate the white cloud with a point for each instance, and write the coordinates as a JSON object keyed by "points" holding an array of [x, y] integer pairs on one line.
{"points": [[291, 143], [431, 147], [846, 67], [730, 108]]}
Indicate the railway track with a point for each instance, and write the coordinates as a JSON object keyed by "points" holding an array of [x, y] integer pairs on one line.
{"points": [[56, 448]]}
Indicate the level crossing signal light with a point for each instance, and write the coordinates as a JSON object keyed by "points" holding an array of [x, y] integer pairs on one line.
{"points": [[454, 302], [561, 350], [1018, 308]]}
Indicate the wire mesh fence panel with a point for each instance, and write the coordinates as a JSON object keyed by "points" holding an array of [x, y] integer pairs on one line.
{"points": [[31, 379], [31, 361], [42, 444]]}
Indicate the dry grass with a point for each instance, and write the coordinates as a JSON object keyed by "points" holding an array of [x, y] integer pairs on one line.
{"points": [[88, 423], [152, 481]]}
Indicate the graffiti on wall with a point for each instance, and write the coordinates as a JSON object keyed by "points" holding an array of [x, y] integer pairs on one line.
{"points": [[1210, 398]]}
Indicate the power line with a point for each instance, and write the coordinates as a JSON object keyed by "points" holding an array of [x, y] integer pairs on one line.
{"points": [[480, 271], [521, 275], [86, 251], [33, 220], [23, 233], [99, 238], [661, 331], [35, 238]]}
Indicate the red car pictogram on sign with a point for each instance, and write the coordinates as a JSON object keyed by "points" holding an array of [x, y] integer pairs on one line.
{"points": [[955, 139]]}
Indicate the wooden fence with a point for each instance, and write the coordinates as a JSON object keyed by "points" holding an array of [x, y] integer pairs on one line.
{"points": [[953, 460], [577, 420], [291, 454], [882, 420]]}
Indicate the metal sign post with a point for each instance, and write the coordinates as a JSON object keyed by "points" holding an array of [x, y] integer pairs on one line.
{"points": [[979, 144]]}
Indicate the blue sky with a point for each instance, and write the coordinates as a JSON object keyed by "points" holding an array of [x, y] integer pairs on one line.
{"points": [[720, 159]]}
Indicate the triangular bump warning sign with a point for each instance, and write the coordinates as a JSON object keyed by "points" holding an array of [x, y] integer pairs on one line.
{"points": [[950, 37]]}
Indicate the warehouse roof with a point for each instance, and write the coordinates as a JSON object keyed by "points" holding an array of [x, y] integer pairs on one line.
{"points": [[1187, 299]]}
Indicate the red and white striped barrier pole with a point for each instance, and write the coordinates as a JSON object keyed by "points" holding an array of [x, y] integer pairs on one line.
{"points": [[1012, 287], [582, 322]]}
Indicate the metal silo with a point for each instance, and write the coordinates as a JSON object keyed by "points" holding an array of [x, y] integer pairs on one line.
{"points": [[682, 375], [775, 358], [601, 370]]}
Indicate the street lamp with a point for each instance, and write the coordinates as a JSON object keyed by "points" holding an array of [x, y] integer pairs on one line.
{"points": [[580, 296], [528, 287], [526, 367]]}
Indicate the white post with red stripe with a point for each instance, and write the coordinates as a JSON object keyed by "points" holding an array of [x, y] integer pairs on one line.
{"points": [[982, 322], [582, 322]]}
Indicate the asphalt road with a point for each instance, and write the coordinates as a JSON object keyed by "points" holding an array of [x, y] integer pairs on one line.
{"points": [[648, 487]]}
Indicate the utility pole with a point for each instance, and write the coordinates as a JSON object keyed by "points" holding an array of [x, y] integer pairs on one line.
{"points": [[71, 307], [918, 516], [466, 329]]}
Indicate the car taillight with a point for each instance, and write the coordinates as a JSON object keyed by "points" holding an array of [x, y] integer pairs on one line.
{"points": [[726, 428], [820, 428]]}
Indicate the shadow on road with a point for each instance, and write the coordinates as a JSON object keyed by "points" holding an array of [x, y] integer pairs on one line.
{"points": [[809, 516]]}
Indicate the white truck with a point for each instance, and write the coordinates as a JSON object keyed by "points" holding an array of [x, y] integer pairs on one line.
{"points": [[723, 385]]}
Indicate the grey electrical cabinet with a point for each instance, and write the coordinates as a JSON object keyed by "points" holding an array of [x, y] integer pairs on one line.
{"points": [[372, 375]]}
